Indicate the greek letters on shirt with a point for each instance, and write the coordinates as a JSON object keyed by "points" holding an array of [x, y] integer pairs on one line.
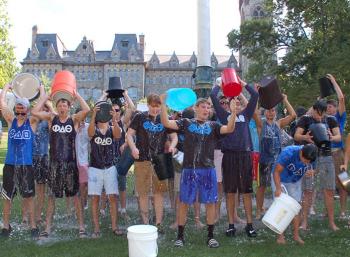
{"points": [[62, 129], [204, 129], [298, 172], [239, 118], [149, 126], [103, 141], [24, 134]]}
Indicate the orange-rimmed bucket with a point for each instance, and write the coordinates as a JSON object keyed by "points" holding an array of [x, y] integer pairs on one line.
{"points": [[230, 83], [63, 86]]}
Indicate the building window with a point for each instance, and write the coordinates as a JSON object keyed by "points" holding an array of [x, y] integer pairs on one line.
{"points": [[132, 92], [125, 43], [45, 43], [258, 12]]}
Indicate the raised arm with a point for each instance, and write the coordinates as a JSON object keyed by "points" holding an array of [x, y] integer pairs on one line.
{"points": [[37, 109], [220, 112], [291, 114], [92, 125], [250, 109], [171, 124], [6, 112], [340, 95], [230, 127], [173, 142], [117, 131], [84, 109], [130, 108]]}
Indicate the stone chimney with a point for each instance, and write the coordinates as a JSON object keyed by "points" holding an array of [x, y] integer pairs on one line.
{"points": [[34, 33], [142, 42]]}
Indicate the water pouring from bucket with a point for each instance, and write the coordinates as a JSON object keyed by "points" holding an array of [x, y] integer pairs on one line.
{"points": [[179, 99], [231, 86]]}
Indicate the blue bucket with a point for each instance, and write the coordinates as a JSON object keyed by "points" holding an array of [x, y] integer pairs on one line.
{"points": [[179, 99]]}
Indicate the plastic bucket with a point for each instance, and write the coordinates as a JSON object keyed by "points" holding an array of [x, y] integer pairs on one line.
{"points": [[63, 86], [142, 241], [230, 83], [179, 99], [319, 133], [26, 85], [344, 180], [281, 213], [104, 114]]}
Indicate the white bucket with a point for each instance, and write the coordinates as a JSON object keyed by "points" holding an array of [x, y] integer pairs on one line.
{"points": [[280, 214], [142, 241]]}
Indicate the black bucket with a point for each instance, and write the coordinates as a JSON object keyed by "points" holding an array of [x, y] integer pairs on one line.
{"points": [[326, 87], [125, 162], [163, 165], [319, 133]]}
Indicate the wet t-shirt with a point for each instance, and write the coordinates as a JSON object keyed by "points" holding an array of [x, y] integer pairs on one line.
{"points": [[151, 135], [199, 142], [102, 153]]}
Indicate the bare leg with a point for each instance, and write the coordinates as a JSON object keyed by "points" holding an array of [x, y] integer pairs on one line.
{"points": [[296, 224], [236, 218], [143, 204], [177, 204], [171, 193], [49, 213], [247, 202], [183, 208], [230, 206], [307, 198], [280, 239], [329, 203], [158, 206], [31, 211], [260, 194], [24, 211], [197, 214], [40, 199], [83, 194], [343, 197], [79, 212], [113, 211], [218, 204], [210, 212], [95, 199], [6, 213]]}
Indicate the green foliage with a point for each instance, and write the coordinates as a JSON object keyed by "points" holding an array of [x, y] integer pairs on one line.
{"points": [[311, 37], [8, 66], [46, 81]]}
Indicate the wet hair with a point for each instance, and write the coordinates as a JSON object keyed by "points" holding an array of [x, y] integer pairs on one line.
{"points": [[202, 101], [63, 101], [309, 152], [320, 106], [332, 102], [153, 99], [300, 111]]}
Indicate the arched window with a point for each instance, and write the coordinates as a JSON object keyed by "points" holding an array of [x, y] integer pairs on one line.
{"points": [[258, 12]]}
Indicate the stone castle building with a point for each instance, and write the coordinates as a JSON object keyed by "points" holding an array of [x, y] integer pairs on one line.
{"points": [[249, 9], [140, 73]]}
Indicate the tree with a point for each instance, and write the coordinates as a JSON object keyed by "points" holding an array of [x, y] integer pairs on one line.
{"points": [[8, 66], [310, 37]]}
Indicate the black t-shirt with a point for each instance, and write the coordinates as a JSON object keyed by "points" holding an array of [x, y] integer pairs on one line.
{"points": [[199, 142], [151, 135], [102, 153], [305, 121]]}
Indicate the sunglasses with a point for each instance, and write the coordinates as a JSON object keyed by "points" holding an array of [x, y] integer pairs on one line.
{"points": [[224, 102], [117, 110], [20, 113]]}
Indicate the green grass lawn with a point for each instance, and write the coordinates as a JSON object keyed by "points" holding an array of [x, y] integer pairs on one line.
{"points": [[319, 241]]}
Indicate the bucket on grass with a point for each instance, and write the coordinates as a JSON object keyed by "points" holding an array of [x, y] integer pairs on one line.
{"points": [[281, 213], [142, 241], [63, 86]]}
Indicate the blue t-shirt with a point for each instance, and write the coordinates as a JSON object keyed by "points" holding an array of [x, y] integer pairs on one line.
{"points": [[254, 135], [341, 120], [294, 168], [41, 140]]}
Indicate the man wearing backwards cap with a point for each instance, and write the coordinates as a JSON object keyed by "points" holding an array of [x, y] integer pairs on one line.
{"points": [[292, 164], [18, 171], [63, 174]]}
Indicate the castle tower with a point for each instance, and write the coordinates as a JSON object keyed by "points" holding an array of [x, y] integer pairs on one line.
{"points": [[249, 9]]}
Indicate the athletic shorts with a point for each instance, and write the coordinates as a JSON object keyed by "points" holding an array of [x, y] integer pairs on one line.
{"points": [[121, 183], [294, 190], [102, 178], [255, 163], [41, 168], [265, 171], [83, 173], [201, 182], [237, 172], [146, 180], [18, 176], [63, 178], [218, 164], [338, 158]]}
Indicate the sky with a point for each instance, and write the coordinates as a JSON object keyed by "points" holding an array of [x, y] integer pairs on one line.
{"points": [[168, 25]]}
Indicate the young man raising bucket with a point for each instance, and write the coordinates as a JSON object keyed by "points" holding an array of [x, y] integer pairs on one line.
{"points": [[63, 174], [18, 171], [292, 164], [198, 176]]}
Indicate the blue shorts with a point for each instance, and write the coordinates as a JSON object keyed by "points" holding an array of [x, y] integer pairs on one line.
{"points": [[201, 182], [121, 183]]}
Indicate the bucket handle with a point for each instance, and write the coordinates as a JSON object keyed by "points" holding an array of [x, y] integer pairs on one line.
{"points": [[284, 189]]}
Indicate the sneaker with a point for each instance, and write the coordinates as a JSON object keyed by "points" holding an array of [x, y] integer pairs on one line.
{"points": [[250, 231], [212, 243], [179, 243], [34, 232], [5, 233], [230, 232], [160, 229]]}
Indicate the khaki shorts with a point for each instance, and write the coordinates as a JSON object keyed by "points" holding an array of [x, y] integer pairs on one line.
{"points": [[177, 182], [146, 180], [338, 159]]}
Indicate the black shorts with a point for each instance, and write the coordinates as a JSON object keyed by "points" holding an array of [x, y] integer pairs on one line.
{"points": [[237, 172], [18, 176], [41, 168], [63, 177], [265, 171]]}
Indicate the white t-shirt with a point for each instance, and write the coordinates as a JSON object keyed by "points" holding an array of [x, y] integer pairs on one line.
{"points": [[82, 145]]}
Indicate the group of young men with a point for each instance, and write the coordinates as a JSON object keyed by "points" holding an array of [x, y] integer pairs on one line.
{"points": [[217, 152]]}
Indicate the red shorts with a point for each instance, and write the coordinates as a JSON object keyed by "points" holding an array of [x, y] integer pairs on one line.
{"points": [[255, 160]]}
